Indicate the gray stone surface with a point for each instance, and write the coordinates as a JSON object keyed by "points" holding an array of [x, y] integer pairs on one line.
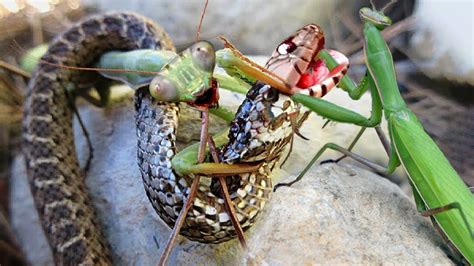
{"points": [[344, 215], [337, 215]]}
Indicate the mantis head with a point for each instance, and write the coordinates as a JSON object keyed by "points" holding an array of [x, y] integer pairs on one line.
{"points": [[188, 77], [377, 18]]}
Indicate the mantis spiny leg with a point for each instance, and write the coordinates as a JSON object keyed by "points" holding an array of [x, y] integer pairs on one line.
{"points": [[227, 200], [380, 134], [192, 193], [333, 146], [453, 205]]}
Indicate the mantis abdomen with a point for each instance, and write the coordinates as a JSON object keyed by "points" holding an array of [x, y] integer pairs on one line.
{"points": [[434, 179]]}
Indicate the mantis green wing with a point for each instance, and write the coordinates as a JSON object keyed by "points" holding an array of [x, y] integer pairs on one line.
{"points": [[434, 180], [146, 60]]}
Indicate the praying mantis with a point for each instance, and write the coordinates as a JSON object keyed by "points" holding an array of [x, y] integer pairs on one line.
{"points": [[438, 190]]}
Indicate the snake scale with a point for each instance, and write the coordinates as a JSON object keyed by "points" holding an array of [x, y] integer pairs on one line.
{"points": [[260, 132]]}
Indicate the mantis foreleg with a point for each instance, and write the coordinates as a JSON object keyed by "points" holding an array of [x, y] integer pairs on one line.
{"points": [[393, 163]]}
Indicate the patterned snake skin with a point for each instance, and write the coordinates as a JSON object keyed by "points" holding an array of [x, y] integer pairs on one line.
{"points": [[57, 182], [259, 132]]}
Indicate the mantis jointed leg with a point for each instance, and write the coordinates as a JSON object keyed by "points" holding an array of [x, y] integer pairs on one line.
{"points": [[347, 153], [154, 138], [379, 131], [450, 206], [380, 134]]}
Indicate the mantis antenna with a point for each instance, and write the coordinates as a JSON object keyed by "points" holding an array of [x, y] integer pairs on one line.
{"points": [[388, 5], [198, 31], [372, 4], [17, 47]]}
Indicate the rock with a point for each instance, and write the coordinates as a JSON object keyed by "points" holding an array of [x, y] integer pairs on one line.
{"points": [[344, 215], [336, 215]]}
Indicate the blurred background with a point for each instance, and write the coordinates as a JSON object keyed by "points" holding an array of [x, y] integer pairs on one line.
{"points": [[432, 42]]}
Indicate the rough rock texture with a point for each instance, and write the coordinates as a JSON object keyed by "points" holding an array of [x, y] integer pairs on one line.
{"points": [[344, 215], [338, 215]]}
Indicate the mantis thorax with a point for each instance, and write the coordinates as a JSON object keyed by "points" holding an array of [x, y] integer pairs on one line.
{"points": [[188, 76]]}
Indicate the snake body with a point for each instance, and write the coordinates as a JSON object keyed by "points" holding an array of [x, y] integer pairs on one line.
{"points": [[259, 132], [56, 181]]}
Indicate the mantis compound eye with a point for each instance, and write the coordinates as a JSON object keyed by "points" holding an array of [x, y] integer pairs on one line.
{"points": [[204, 54], [163, 89]]}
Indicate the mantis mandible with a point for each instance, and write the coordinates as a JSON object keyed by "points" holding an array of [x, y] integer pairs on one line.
{"points": [[438, 190]]}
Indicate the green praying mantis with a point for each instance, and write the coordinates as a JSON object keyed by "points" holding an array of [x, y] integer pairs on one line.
{"points": [[438, 190]]}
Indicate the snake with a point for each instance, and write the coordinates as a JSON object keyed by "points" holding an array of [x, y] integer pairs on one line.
{"points": [[260, 132]]}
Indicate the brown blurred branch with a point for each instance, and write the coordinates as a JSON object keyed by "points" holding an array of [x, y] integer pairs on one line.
{"points": [[14, 69]]}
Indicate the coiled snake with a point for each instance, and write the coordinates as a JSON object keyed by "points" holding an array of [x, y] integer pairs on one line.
{"points": [[259, 132]]}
